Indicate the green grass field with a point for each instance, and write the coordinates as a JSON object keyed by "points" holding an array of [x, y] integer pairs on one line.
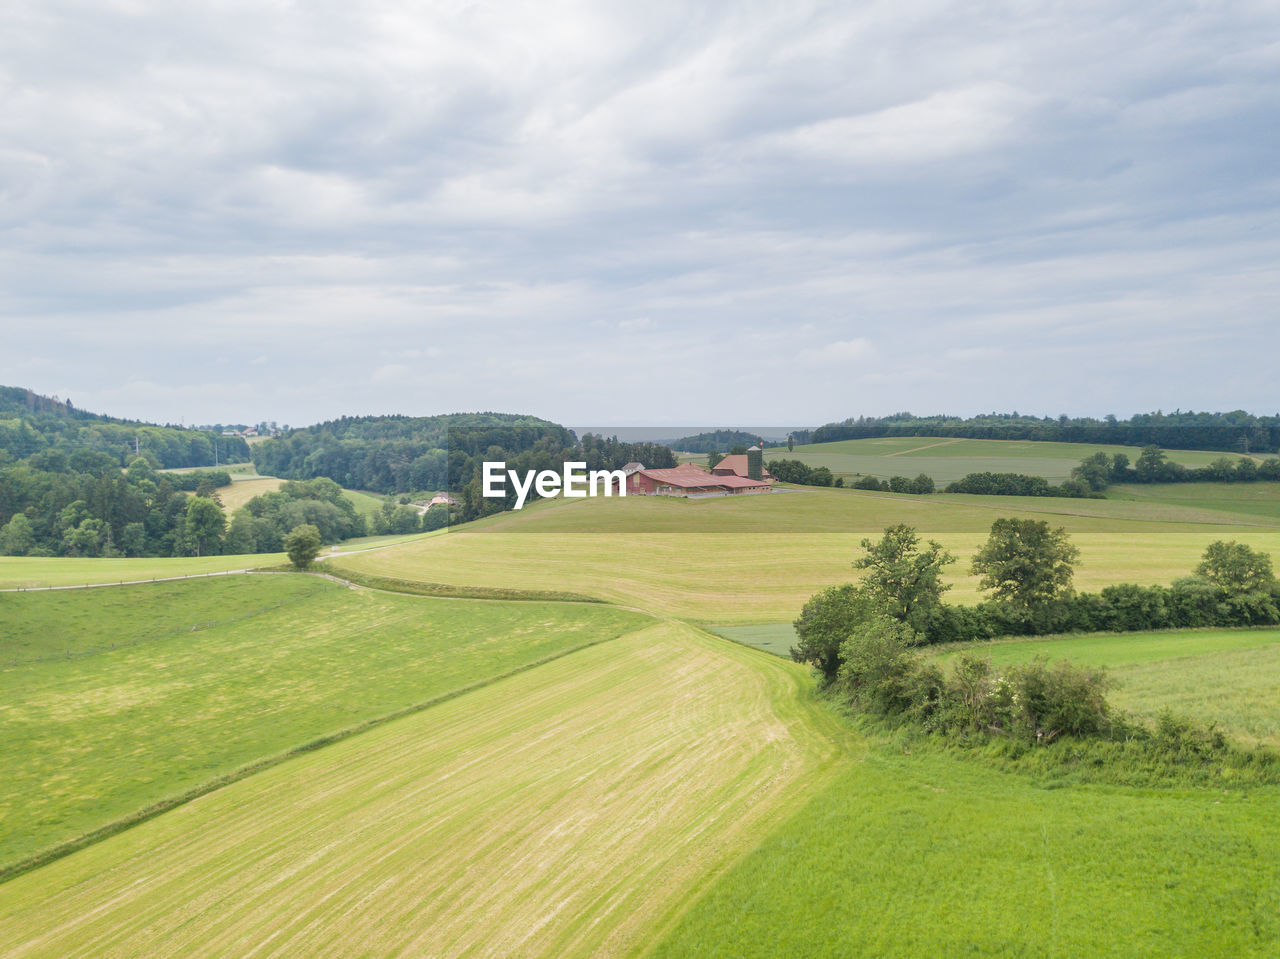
{"points": [[278, 661], [569, 810], [947, 460], [29, 572], [1227, 677], [755, 560], [569, 779], [925, 855]]}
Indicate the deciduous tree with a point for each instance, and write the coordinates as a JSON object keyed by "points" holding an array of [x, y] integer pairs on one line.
{"points": [[1025, 563]]}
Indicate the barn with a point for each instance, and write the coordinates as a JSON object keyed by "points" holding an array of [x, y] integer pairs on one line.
{"points": [[690, 480]]}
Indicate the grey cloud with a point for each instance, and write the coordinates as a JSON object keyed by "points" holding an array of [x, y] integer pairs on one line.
{"points": [[579, 202]]}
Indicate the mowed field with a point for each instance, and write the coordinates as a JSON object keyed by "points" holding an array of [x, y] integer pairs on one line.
{"points": [[116, 699], [755, 560], [569, 810], [947, 460], [368, 773]]}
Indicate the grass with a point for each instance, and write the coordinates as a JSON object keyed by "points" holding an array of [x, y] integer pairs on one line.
{"points": [[661, 792], [947, 460], [366, 504], [1252, 500], [927, 855], [91, 739], [242, 490], [569, 810], [757, 560], [28, 572], [1227, 677]]}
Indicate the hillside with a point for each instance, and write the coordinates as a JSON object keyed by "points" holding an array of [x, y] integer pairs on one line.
{"points": [[31, 424], [1234, 432]]}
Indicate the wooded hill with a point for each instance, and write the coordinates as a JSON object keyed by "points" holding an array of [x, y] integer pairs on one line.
{"points": [[31, 424], [402, 454], [1237, 431]]}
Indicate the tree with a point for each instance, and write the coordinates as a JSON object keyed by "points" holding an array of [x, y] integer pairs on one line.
{"points": [[791, 442], [204, 525], [1025, 563], [904, 582], [16, 536], [303, 545], [827, 620], [1236, 569]]}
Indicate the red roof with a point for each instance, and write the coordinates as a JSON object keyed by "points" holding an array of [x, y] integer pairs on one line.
{"points": [[736, 464], [737, 482], [689, 476]]}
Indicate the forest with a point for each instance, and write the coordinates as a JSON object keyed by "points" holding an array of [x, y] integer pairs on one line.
{"points": [[1237, 431]]}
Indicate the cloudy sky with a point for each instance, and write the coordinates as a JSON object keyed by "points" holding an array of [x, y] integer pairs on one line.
{"points": [[639, 213]]}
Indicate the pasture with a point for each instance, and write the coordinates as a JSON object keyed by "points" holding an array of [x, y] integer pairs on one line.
{"points": [[116, 699], [399, 774], [947, 460], [569, 810], [755, 560], [1227, 677], [931, 855], [30, 572]]}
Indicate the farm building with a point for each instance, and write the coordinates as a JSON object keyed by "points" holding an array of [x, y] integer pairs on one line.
{"points": [[689, 480], [749, 464]]}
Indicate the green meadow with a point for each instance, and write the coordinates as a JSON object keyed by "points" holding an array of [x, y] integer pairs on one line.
{"points": [[755, 560], [947, 460], [1230, 678], [163, 688], [284, 765]]}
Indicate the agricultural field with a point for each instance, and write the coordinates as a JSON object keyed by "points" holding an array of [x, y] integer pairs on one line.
{"points": [[117, 699], [930, 855], [755, 560], [244, 489], [568, 810], [283, 765], [947, 460], [1227, 677], [31, 572]]}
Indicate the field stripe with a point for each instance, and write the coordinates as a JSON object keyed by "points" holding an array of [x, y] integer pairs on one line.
{"points": [[563, 811], [927, 446]]}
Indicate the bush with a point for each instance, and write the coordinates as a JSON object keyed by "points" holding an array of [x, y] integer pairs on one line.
{"points": [[879, 673]]}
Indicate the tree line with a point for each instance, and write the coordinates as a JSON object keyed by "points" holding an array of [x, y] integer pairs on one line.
{"points": [[1027, 569], [399, 454], [31, 424], [860, 638], [1236, 431]]}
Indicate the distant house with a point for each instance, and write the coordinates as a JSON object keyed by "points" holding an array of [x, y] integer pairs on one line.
{"points": [[690, 480], [442, 499]]}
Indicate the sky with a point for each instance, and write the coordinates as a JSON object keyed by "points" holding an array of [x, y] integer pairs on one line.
{"points": [[639, 213]]}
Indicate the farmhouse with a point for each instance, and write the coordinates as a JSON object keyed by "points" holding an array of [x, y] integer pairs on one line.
{"points": [[690, 480]]}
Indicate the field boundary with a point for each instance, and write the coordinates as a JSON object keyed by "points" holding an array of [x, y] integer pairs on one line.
{"points": [[64, 849], [449, 591]]}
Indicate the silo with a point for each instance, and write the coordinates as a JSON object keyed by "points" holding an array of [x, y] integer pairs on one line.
{"points": [[755, 463]]}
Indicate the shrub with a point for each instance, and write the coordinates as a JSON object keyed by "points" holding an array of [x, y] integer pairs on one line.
{"points": [[878, 672], [1048, 701]]}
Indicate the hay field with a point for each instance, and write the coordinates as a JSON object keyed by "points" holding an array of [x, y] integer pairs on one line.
{"points": [[755, 560], [570, 810], [947, 460], [113, 700]]}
